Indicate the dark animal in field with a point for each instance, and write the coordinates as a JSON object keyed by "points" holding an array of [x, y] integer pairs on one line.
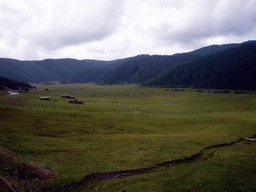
{"points": [[76, 102]]}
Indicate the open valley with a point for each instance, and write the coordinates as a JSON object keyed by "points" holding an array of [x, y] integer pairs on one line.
{"points": [[130, 138]]}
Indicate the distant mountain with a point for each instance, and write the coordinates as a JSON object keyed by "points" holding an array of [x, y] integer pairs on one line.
{"points": [[234, 68], [46, 70], [94, 74], [148, 70]]}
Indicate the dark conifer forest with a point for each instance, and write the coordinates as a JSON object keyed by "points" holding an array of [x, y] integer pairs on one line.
{"points": [[234, 68], [5, 82]]}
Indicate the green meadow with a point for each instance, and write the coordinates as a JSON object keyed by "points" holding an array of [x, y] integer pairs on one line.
{"points": [[124, 127]]}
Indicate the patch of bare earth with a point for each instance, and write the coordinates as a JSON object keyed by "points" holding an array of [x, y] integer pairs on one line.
{"points": [[35, 90], [16, 175], [5, 185], [10, 101]]}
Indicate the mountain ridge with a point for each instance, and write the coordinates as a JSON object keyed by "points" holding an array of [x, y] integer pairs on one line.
{"points": [[137, 69]]}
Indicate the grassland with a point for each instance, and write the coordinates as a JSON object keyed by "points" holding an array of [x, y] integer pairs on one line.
{"points": [[125, 127]]}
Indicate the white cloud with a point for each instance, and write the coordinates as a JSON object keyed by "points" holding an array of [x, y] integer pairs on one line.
{"points": [[67, 23], [111, 29]]}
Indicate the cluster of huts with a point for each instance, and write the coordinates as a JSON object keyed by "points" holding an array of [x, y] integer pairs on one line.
{"points": [[67, 96]]}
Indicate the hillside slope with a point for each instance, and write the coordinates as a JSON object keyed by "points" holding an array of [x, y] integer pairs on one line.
{"points": [[143, 67], [234, 68]]}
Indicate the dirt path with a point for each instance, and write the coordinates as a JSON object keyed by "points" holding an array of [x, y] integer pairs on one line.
{"points": [[96, 177]]}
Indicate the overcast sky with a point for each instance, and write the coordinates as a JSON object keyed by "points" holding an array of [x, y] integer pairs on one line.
{"points": [[113, 29]]}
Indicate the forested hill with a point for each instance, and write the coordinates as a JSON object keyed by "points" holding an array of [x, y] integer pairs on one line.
{"points": [[5, 82], [234, 68], [143, 67], [140, 68], [154, 70]]}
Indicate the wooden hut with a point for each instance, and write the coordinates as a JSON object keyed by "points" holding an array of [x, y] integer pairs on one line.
{"points": [[68, 96], [45, 98]]}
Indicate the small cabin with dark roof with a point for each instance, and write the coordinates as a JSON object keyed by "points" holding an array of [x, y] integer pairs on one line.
{"points": [[68, 96]]}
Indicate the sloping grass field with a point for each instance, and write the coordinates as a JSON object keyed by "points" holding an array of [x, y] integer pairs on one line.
{"points": [[127, 127]]}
